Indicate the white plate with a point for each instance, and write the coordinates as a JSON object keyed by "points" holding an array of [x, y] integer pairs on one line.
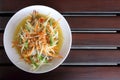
{"points": [[11, 27]]}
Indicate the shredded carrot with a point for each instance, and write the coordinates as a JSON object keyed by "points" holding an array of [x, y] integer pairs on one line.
{"points": [[27, 53], [54, 55], [36, 27], [41, 20], [37, 39]]}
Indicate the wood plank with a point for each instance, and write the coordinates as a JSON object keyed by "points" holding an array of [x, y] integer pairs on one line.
{"points": [[3, 22], [92, 23], [3, 57], [1, 39], [96, 39], [93, 40], [93, 56], [104, 40], [63, 73], [81, 56], [64, 5]]}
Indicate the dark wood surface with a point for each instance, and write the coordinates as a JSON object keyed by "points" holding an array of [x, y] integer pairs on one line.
{"points": [[64, 5], [95, 52], [64, 73]]}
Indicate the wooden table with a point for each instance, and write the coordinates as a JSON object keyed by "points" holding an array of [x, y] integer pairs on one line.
{"points": [[95, 52]]}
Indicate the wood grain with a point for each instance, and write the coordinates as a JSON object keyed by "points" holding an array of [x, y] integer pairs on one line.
{"points": [[63, 73], [93, 56], [96, 39], [63, 5], [80, 56], [3, 22], [73, 72], [94, 22], [3, 57], [85, 23], [104, 40]]}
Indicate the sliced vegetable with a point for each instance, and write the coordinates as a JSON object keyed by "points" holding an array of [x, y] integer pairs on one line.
{"points": [[26, 44], [29, 26], [45, 23], [38, 40], [51, 41], [34, 64], [51, 21]]}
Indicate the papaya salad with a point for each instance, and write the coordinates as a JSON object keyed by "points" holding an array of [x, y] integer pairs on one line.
{"points": [[38, 39]]}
